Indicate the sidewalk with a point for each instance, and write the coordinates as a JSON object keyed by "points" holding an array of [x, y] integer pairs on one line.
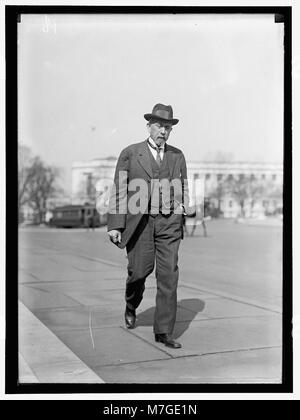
{"points": [[72, 328], [44, 358]]}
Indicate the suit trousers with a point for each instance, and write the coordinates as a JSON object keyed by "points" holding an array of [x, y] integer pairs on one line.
{"points": [[155, 241]]}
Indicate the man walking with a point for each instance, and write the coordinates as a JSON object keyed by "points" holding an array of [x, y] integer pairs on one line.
{"points": [[153, 233]]}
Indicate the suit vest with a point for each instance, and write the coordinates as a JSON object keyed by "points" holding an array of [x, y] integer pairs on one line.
{"points": [[160, 203]]}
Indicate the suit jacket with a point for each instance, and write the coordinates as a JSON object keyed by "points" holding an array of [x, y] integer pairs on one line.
{"points": [[134, 162]]}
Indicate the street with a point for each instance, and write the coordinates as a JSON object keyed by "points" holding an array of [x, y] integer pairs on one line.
{"points": [[71, 288]]}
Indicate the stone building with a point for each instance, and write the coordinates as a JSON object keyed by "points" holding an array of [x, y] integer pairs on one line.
{"points": [[207, 180], [263, 182]]}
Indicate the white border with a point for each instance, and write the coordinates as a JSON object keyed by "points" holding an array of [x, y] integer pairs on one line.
{"points": [[296, 210]]}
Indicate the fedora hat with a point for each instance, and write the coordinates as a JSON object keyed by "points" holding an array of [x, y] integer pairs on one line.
{"points": [[162, 112]]}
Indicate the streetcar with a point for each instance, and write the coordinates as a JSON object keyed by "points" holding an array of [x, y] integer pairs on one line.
{"points": [[77, 216]]}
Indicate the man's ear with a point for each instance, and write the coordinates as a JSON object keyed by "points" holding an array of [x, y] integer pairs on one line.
{"points": [[148, 128]]}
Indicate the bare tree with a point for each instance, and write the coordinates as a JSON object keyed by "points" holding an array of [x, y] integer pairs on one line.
{"points": [[274, 191], [219, 192], [239, 188], [25, 174], [36, 182], [222, 187], [256, 189], [41, 187]]}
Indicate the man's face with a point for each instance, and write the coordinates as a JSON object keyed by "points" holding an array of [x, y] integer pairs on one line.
{"points": [[159, 131]]}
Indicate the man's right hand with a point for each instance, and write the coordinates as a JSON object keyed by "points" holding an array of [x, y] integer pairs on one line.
{"points": [[115, 236]]}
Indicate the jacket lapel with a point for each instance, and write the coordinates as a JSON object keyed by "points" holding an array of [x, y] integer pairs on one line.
{"points": [[143, 158], [170, 160]]}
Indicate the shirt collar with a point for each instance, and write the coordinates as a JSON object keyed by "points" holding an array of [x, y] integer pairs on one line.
{"points": [[162, 147]]}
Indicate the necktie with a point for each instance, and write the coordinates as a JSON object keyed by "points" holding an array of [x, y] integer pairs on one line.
{"points": [[158, 158]]}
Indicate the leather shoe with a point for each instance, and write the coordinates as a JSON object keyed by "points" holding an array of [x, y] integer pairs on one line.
{"points": [[167, 341], [130, 319]]}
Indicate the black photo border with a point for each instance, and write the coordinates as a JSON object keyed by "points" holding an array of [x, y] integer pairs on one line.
{"points": [[12, 385]]}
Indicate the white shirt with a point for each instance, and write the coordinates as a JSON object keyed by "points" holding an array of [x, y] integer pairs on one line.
{"points": [[153, 151]]}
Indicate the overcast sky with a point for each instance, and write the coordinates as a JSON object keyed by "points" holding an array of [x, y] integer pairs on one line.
{"points": [[86, 81]]}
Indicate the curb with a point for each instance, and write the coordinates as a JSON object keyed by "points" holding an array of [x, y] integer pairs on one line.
{"points": [[43, 358]]}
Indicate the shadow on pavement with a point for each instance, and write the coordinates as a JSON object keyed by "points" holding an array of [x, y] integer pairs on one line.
{"points": [[187, 310]]}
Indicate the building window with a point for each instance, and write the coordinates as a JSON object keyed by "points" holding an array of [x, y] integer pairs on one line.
{"points": [[207, 176], [263, 176], [274, 177], [196, 176], [252, 177], [230, 177], [241, 177], [219, 177], [230, 203]]}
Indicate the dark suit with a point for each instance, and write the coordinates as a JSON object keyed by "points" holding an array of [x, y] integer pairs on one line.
{"points": [[150, 239]]}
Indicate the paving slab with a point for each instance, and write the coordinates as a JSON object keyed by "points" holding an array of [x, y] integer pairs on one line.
{"points": [[109, 346], [39, 265], [69, 275], [41, 350], [82, 317], [205, 305], [109, 296], [230, 334], [35, 298], [221, 308], [51, 273], [65, 265], [114, 274], [27, 277], [146, 317], [25, 252], [85, 260], [116, 297], [44, 358], [212, 336], [67, 372], [83, 264], [93, 285], [193, 300], [185, 291], [238, 298], [255, 366], [98, 297]]}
